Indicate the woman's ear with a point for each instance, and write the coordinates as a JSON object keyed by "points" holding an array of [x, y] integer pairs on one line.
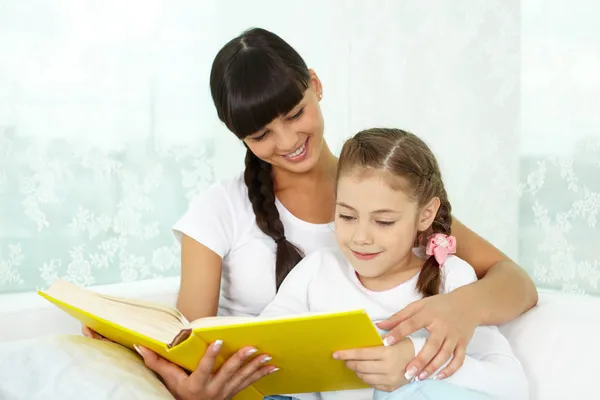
{"points": [[315, 84], [427, 214]]}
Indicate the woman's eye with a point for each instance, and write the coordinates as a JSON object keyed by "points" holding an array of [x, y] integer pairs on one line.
{"points": [[259, 138], [297, 115]]}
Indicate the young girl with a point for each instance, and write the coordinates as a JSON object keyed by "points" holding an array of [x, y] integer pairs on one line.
{"points": [[390, 197]]}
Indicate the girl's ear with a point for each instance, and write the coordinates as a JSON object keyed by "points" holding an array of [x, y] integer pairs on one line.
{"points": [[427, 214]]}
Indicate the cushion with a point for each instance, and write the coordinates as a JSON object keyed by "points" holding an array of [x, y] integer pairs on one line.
{"points": [[75, 367]]}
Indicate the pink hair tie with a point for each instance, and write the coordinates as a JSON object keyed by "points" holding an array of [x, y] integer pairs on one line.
{"points": [[439, 246]]}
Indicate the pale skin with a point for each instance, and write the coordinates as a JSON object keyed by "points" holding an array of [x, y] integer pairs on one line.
{"points": [[307, 189]]}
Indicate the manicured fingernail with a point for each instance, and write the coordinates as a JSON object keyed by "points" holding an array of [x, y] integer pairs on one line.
{"points": [[250, 352], [135, 346], [273, 370], [410, 373], [216, 346], [388, 341], [336, 356], [439, 376], [266, 359], [423, 375]]}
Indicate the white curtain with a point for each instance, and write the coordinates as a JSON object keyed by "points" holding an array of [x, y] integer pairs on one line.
{"points": [[107, 129]]}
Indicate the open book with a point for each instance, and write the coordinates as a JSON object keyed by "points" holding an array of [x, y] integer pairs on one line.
{"points": [[300, 345]]}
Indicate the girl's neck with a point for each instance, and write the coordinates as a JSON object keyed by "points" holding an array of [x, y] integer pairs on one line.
{"points": [[407, 269]]}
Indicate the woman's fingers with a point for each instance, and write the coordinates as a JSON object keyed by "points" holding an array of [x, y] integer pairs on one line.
{"points": [[230, 368], [92, 334], [455, 364], [440, 359], [432, 347], [400, 316], [250, 373], [171, 373]]}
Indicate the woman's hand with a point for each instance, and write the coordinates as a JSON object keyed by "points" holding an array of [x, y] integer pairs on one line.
{"points": [[451, 324], [93, 334], [233, 376], [382, 367]]}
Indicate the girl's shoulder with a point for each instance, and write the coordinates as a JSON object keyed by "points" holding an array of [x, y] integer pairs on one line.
{"points": [[456, 272], [324, 260]]}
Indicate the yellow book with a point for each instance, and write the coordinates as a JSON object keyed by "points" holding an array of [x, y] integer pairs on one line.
{"points": [[300, 345]]}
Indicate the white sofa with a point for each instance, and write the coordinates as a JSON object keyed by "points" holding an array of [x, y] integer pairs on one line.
{"points": [[557, 341]]}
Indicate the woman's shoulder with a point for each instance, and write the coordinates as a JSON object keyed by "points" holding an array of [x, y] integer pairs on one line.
{"points": [[228, 194], [233, 188], [216, 214]]}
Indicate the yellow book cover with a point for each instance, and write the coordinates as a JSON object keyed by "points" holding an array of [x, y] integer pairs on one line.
{"points": [[300, 345]]}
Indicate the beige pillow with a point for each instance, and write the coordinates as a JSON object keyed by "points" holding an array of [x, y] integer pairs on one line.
{"points": [[75, 367]]}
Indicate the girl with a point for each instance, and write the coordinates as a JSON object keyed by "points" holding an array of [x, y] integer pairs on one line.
{"points": [[255, 228], [390, 196]]}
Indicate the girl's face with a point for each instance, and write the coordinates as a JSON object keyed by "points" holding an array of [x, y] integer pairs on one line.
{"points": [[294, 141], [376, 225]]}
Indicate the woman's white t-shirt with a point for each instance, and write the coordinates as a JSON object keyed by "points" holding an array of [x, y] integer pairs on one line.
{"points": [[221, 218]]}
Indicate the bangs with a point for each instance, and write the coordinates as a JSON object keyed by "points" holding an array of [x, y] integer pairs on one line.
{"points": [[259, 89]]}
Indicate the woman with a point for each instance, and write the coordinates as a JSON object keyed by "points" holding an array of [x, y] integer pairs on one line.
{"points": [[284, 204]]}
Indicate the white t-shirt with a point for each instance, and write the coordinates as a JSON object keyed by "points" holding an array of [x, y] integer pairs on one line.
{"points": [[221, 218], [326, 282]]}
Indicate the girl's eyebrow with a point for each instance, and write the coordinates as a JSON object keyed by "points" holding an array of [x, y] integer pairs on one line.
{"points": [[380, 211]]}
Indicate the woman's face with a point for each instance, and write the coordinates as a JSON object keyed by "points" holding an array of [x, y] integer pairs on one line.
{"points": [[293, 141]]}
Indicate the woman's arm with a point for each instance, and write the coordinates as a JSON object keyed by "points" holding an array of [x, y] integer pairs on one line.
{"points": [[199, 297], [200, 280], [504, 290]]}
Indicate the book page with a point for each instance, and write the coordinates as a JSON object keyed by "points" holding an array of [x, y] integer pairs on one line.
{"points": [[175, 313], [157, 321]]}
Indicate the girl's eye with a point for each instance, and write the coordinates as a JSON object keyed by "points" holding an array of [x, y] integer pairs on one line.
{"points": [[385, 223], [346, 217], [297, 115]]}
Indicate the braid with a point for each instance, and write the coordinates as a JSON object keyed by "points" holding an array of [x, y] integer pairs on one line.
{"points": [[430, 278], [259, 181]]}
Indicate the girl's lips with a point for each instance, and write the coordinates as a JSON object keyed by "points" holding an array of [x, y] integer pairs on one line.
{"points": [[365, 256]]}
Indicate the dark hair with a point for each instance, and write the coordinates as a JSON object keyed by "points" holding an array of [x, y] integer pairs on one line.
{"points": [[255, 78], [403, 154]]}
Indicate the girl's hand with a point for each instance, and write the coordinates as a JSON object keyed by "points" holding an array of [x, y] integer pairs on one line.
{"points": [[234, 375], [382, 367], [451, 325]]}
